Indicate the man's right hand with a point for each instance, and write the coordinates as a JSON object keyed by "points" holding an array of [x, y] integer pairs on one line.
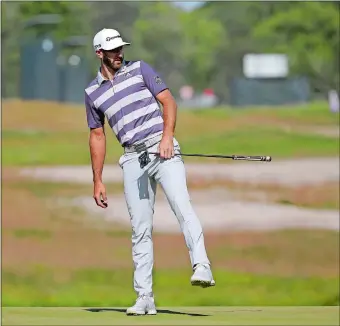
{"points": [[99, 194]]}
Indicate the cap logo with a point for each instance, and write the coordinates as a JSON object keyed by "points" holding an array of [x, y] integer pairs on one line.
{"points": [[97, 46], [109, 38]]}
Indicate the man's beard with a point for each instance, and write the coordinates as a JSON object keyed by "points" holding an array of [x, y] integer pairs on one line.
{"points": [[109, 64]]}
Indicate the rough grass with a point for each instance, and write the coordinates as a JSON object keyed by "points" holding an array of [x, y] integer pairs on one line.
{"points": [[323, 196], [36, 230], [63, 257], [31, 116], [60, 257], [316, 114], [175, 316], [100, 287], [258, 140], [71, 148], [320, 196], [281, 253], [60, 135]]}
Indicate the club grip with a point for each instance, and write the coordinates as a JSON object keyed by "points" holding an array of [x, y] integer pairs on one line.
{"points": [[253, 158], [263, 158]]}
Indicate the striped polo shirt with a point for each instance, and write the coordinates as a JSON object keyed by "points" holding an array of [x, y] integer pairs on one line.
{"points": [[128, 102]]}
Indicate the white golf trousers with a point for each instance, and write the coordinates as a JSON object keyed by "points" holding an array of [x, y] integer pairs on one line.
{"points": [[140, 190]]}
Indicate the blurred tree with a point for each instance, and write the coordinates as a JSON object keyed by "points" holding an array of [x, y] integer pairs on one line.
{"points": [[181, 45], [74, 18], [309, 33], [117, 15], [203, 47], [14, 20], [202, 40], [238, 19], [10, 34], [158, 39]]}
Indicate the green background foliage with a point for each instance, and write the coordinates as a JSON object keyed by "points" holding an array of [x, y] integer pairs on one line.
{"points": [[203, 47]]}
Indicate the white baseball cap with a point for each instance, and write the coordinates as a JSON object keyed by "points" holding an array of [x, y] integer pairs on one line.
{"points": [[108, 39]]}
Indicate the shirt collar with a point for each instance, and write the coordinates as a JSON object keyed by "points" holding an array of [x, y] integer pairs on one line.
{"points": [[100, 77]]}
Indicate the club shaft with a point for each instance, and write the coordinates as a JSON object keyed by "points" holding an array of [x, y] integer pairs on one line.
{"points": [[200, 155], [234, 157]]}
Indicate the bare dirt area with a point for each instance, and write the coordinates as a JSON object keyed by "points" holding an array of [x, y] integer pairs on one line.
{"points": [[27, 116], [291, 125], [218, 210], [43, 230], [222, 208], [321, 195], [284, 172], [333, 132], [55, 223], [278, 253], [20, 208], [63, 248], [32, 237]]}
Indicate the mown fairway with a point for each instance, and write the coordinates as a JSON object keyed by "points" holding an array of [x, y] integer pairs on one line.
{"points": [[175, 316]]}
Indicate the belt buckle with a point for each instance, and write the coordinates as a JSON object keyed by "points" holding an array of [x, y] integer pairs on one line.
{"points": [[139, 147]]}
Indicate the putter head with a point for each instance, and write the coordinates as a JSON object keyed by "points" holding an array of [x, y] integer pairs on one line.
{"points": [[144, 159]]}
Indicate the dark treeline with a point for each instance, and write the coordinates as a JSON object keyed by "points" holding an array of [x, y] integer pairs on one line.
{"points": [[203, 48]]}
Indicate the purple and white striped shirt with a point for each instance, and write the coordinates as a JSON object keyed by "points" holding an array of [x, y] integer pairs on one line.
{"points": [[128, 102]]}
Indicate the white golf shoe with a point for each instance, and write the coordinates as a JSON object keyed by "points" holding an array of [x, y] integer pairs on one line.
{"points": [[145, 305], [202, 276]]}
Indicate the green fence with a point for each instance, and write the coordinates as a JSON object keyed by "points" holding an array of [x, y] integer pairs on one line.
{"points": [[292, 90], [50, 71]]}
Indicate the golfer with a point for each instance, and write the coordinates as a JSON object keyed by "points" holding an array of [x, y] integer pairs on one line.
{"points": [[127, 94]]}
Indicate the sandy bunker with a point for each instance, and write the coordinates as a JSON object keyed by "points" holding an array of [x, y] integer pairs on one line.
{"points": [[216, 208], [217, 211]]}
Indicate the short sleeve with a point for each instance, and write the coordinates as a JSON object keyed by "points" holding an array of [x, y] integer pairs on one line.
{"points": [[95, 118], [152, 79]]}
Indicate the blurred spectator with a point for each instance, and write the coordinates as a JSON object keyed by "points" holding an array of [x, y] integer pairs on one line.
{"points": [[206, 99], [333, 101]]}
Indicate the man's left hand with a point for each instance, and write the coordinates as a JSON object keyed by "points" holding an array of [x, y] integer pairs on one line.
{"points": [[166, 147]]}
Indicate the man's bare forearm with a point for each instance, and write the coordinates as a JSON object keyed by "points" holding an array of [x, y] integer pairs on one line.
{"points": [[97, 143], [169, 116]]}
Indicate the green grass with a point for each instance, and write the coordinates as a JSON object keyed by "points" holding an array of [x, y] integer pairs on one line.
{"points": [[72, 148], [42, 189], [312, 113], [261, 141], [316, 113], [94, 287], [218, 130], [32, 233], [48, 148], [175, 316]]}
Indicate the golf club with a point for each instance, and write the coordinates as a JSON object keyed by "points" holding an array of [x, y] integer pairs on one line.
{"points": [[144, 158], [234, 157]]}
